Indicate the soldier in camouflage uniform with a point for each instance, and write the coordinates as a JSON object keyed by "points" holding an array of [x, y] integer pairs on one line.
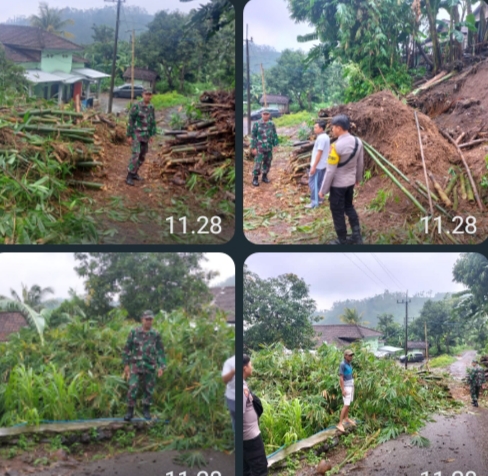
{"points": [[143, 357], [476, 379], [264, 138], [140, 129]]}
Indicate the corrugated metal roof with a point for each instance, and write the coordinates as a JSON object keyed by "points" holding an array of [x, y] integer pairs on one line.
{"points": [[90, 73], [69, 78], [34, 39], [36, 76]]}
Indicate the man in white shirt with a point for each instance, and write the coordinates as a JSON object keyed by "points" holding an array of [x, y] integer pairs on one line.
{"points": [[318, 163], [228, 376]]}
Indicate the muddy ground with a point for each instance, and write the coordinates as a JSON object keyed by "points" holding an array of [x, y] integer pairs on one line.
{"points": [[457, 441], [124, 464], [139, 214], [275, 213]]}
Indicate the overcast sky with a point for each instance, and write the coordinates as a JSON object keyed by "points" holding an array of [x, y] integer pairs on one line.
{"points": [[9, 10], [270, 24], [339, 276], [57, 270]]}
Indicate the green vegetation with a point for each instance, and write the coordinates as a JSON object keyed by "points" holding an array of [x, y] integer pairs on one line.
{"points": [[296, 119], [378, 203], [170, 99], [76, 374], [393, 401], [442, 361]]}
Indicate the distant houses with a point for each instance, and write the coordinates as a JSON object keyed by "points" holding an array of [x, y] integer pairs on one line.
{"points": [[53, 65], [142, 76], [11, 322], [343, 335], [282, 103], [224, 298]]}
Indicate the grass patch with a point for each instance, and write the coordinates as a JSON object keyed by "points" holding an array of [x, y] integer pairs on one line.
{"points": [[289, 120], [163, 101], [442, 361]]}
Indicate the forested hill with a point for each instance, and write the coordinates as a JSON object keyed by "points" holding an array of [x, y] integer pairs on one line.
{"points": [[371, 307], [261, 54], [131, 17]]}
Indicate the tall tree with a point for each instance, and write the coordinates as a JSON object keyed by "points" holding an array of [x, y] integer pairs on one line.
{"points": [[389, 328], [49, 19], [33, 297], [351, 316], [12, 79], [157, 281], [277, 310]]}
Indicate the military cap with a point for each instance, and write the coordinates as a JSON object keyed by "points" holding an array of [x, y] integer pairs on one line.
{"points": [[348, 352], [264, 109], [147, 91], [147, 315], [474, 361]]}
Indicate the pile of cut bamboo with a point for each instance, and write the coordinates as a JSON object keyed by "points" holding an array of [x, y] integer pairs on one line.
{"points": [[67, 136], [206, 144], [299, 161]]}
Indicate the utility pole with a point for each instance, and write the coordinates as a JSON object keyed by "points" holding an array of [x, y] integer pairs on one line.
{"points": [[426, 344], [248, 84], [264, 90], [405, 301], [133, 60], [114, 59]]}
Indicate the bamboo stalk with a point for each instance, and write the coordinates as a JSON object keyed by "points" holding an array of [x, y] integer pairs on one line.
{"points": [[89, 164], [441, 192], [424, 166], [473, 142], [455, 199], [424, 188], [460, 138], [398, 184], [469, 191], [464, 195], [451, 184], [430, 83], [91, 185], [442, 210], [396, 169], [470, 177]]}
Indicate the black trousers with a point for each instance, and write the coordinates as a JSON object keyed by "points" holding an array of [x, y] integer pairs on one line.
{"points": [[255, 462], [340, 199]]}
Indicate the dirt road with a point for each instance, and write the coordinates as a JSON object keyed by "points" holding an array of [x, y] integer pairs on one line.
{"points": [[148, 464]]}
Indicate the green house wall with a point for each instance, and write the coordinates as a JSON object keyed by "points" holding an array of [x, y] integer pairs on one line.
{"points": [[56, 61]]}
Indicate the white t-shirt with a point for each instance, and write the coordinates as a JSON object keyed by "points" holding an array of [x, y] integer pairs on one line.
{"points": [[321, 143], [230, 391]]}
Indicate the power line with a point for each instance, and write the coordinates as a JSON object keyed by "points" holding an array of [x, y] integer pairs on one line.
{"points": [[371, 271], [362, 270], [389, 274]]}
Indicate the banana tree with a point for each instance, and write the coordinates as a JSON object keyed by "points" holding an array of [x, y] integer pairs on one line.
{"points": [[36, 320]]}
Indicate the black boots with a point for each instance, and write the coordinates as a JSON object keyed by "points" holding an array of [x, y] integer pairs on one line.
{"points": [[137, 177], [130, 414], [265, 178], [146, 413], [355, 238], [338, 241], [255, 181], [130, 179]]}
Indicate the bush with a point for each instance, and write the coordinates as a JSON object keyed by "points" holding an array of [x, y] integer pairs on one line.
{"points": [[390, 399], [290, 120], [162, 101], [442, 361]]}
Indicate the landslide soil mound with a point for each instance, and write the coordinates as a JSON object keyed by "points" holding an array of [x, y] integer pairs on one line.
{"points": [[460, 104], [389, 126]]}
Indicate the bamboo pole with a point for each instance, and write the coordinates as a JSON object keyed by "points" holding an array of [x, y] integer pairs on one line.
{"points": [[398, 184], [398, 171], [441, 192], [424, 166], [470, 177], [424, 188], [451, 184]]}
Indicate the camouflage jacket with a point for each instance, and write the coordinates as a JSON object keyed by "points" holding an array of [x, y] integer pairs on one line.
{"points": [[142, 122], [144, 350], [264, 136], [476, 376]]}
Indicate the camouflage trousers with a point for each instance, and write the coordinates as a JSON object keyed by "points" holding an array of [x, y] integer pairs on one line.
{"points": [[144, 380], [475, 392], [139, 151], [262, 161]]}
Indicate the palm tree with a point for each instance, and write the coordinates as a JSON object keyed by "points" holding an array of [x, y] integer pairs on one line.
{"points": [[33, 297], [49, 19], [351, 316]]}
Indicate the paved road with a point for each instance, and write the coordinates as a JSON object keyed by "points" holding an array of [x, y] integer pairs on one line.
{"points": [[458, 369], [457, 443]]}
